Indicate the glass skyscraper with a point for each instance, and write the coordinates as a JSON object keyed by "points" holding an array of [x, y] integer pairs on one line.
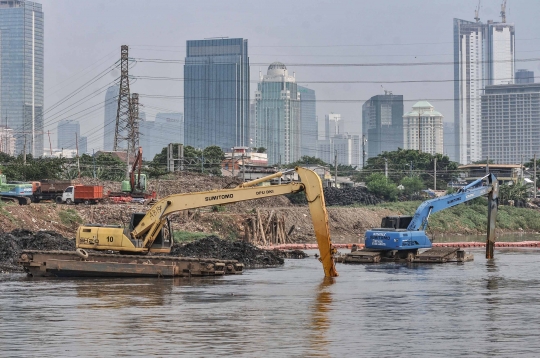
{"points": [[66, 132], [155, 135], [382, 123], [278, 115], [109, 123], [21, 72], [308, 114], [216, 93]]}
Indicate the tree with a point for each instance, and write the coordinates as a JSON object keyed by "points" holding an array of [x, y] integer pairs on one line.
{"points": [[35, 168], [407, 162], [261, 150], [307, 160], [107, 167], [379, 185], [412, 185], [513, 192], [530, 165], [213, 156]]}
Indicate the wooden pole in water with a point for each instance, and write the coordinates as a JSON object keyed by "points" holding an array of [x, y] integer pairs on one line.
{"points": [[493, 201]]}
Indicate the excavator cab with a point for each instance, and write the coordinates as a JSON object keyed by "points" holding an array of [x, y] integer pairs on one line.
{"points": [[396, 222], [164, 240]]}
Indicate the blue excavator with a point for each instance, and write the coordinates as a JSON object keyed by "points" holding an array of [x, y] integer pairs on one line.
{"points": [[401, 237]]}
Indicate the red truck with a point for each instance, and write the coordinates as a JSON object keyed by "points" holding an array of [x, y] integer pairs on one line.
{"points": [[87, 194]]}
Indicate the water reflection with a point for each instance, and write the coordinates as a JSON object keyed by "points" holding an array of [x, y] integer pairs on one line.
{"points": [[320, 323], [124, 293]]}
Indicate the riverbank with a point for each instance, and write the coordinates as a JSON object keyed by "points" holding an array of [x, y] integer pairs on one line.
{"points": [[347, 224]]}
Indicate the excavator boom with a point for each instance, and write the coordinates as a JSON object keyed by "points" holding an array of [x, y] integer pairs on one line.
{"points": [[147, 230]]}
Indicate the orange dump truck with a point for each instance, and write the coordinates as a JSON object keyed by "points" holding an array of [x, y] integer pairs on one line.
{"points": [[87, 194]]}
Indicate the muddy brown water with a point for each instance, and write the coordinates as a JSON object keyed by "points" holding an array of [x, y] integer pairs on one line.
{"points": [[479, 309]]}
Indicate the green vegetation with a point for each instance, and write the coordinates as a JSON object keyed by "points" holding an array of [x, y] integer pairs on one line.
{"points": [[15, 168], [379, 185], [211, 158], [516, 191], [412, 185], [187, 236], [69, 217], [407, 162]]}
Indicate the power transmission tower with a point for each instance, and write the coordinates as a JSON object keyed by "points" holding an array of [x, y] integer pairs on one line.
{"points": [[134, 123], [124, 117]]}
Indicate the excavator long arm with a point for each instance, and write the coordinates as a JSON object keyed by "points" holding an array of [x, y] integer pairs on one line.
{"points": [[151, 224], [467, 193]]}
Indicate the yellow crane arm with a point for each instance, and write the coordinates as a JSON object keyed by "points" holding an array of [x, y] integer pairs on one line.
{"points": [[151, 224]]}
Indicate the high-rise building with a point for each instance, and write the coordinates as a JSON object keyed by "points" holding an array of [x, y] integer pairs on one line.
{"points": [[483, 55], [448, 140], [524, 76], [333, 125], [83, 145], [308, 114], [423, 129], [69, 137], [21, 69], [7, 141], [68, 132], [278, 115], [156, 135], [346, 146], [109, 117], [511, 122], [216, 93], [382, 123]]}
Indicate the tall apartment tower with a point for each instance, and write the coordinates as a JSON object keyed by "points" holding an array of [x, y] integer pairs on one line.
{"points": [[524, 76], [278, 115], [382, 123], [511, 122], [21, 72], [333, 125], [216, 93], [109, 118], [308, 114], [423, 129], [483, 55]]}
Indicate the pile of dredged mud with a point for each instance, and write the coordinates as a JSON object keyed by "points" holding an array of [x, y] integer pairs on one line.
{"points": [[341, 197], [214, 247], [12, 243]]}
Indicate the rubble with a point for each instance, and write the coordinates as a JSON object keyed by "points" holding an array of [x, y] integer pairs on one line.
{"points": [[11, 245], [214, 247]]}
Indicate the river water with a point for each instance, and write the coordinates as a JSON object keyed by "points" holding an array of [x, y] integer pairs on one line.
{"points": [[479, 309]]}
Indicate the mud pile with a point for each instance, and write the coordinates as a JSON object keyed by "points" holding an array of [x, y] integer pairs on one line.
{"points": [[11, 245], [341, 197], [213, 247], [349, 196], [290, 254]]}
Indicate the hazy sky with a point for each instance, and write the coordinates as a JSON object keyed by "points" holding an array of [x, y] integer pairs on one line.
{"points": [[83, 39]]}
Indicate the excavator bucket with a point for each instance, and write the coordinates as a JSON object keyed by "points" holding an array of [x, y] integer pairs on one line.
{"points": [[319, 216]]}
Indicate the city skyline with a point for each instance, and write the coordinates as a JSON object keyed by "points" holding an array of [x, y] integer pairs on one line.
{"points": [[432, 40]]}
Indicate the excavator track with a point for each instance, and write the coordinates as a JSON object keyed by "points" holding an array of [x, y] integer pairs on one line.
{"points": [[83, 264], [20, 199]]}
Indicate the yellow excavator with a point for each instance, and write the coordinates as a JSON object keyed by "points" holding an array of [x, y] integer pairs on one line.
{"points": [[150, 231]]}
